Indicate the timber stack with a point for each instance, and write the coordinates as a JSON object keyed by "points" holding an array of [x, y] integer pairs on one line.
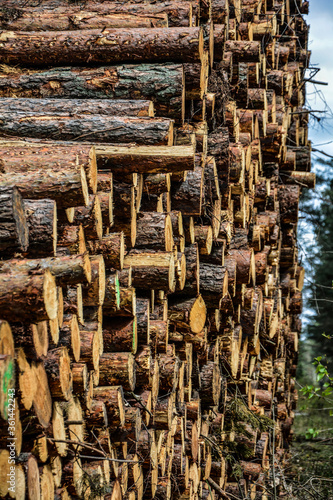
{"points": [[152, 157]]}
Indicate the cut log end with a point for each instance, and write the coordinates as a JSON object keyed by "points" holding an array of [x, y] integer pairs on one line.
{"points": [[50, 295]]}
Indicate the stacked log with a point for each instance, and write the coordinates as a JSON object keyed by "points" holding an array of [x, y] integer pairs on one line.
{"points": [[150, 289]]}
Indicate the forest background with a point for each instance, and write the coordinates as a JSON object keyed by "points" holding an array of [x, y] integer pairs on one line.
{"points": [[311, 465]]}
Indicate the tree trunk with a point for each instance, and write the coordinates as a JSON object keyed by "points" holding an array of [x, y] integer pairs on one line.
{"points": [[14, 231], [56, 48], [42, 224], [92, 128], [162, 83]]}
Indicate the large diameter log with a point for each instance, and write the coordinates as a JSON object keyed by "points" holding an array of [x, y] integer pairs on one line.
{"points": [[117, 369], [120, 335], [67, 188], [154, 230], [39, 107], [21, 156], [145, 160], [95, 15], [42, 224], [28, 298], [67, 270], [14, 232], [246, 51], [57, 366], [92, 128], [162, 83], [55, 48], [152, 270]]}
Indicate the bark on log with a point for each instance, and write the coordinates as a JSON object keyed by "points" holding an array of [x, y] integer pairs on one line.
{"points": [[21, 156], [28, 298], [147, 160], [14, 232], [37, 49], [42, 225], [92, 128], [162, 83], [69, 107]]}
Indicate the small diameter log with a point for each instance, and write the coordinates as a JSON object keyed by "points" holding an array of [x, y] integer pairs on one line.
{"points": [[90, 217], [120, 335], [14, 232], [154, 230], [90, 345], [117, 369], [146, 160], [162, 83], [245, 264], [42, 224], [67, 270], [303, 179], [69, 336], [28, 298], [168, 371], [59, 107], [244, 50], [42, 400], [211, 379], [152, 270], [188, 314], [191, 286], [57, 366], [158, 335], [93, 294], [49, 156], [92, 128], [110, 46], [112, 247]]}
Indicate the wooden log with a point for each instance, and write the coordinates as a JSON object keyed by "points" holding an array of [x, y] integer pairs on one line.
{"points": [[113, 398], [33, 338], [120, 335], [57, 366], [118, 369], [67, 270], [92, 128], [71, 240], [152, 270], [188, 314], [163, 84], [187, 196], [59, 107], [154, 230], [156, 44], [213, 283], [21, 156], [148, 160], [14, 233], [42, 225], [93, 294], [28, 298], [68, 188], [115, 15]]}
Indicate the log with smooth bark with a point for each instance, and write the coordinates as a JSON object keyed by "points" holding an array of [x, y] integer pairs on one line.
{"points": [[111, 46]]}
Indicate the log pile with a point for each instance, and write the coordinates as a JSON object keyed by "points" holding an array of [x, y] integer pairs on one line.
{"points": [[152, 156]]}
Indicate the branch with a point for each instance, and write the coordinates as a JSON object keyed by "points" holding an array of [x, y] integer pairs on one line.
{"points": [[321, 152], [219, 490]]}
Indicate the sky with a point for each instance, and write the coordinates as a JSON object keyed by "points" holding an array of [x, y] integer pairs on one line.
{"points": [[320, 20]]}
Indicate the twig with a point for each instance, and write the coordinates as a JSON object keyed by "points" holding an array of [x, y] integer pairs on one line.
{"points": [[219, 490]]}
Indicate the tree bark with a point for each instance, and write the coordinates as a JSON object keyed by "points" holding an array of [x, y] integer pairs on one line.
{"points": [[92, 128], [14, 230], [162, 83], [56, 48]]}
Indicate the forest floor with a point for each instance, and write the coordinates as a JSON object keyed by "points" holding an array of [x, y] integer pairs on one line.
{"points": [[310, 471]]}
